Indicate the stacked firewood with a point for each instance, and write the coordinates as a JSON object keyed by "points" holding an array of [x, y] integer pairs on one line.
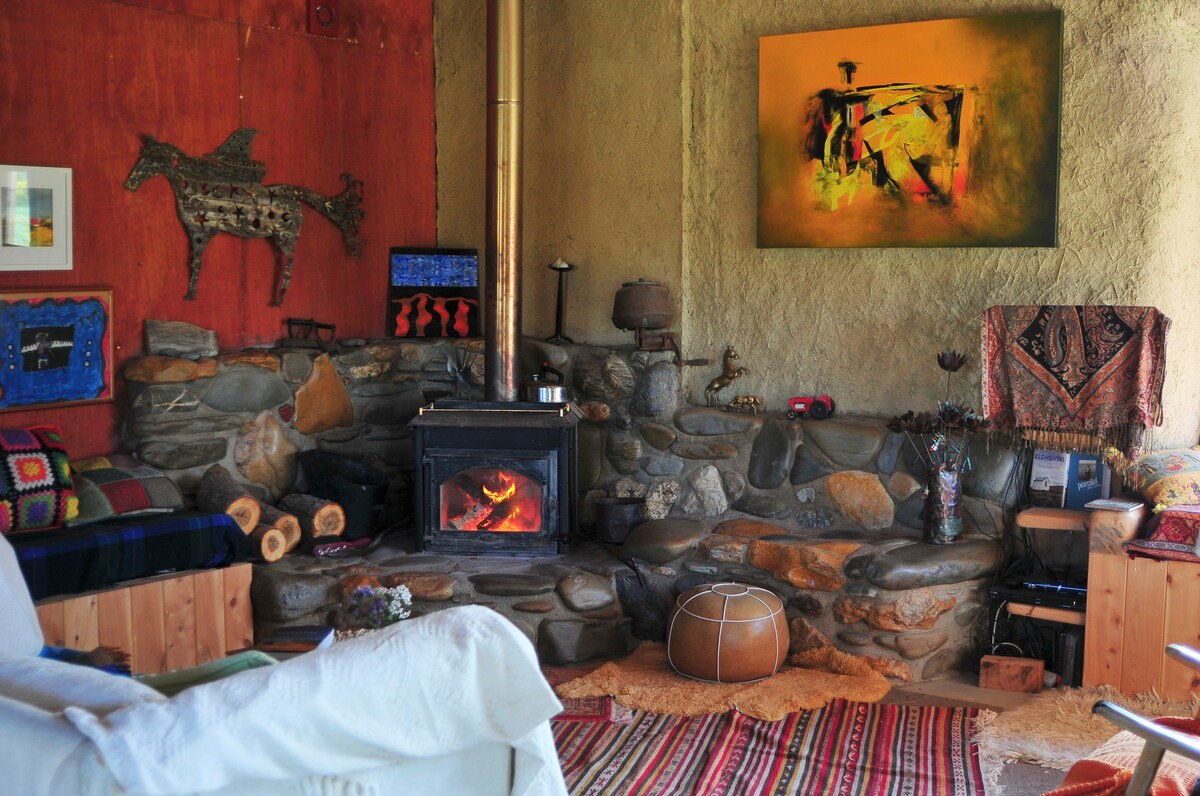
{"points": [[298, 520]]}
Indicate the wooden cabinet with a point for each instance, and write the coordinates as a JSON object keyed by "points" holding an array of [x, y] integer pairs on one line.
{"points": [[164, 623]]}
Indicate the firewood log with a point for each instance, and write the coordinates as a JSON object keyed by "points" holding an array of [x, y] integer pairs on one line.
{"points": [[269, 544], [220, 494], [270, 515], [318, 517]]}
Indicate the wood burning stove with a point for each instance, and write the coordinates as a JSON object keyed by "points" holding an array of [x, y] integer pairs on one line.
{"points": [[496, 478]]}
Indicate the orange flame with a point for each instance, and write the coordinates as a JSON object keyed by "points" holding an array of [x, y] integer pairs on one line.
{"points": [[497, 496]]}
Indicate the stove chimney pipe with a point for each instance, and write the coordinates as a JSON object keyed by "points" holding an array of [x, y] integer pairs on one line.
{"points": [[502, 258]]}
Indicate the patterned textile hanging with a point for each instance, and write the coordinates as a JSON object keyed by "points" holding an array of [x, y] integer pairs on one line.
{"points": [[1078, 377]]}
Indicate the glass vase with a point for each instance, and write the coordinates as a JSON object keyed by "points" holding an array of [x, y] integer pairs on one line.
{"points": [[942, 517]]}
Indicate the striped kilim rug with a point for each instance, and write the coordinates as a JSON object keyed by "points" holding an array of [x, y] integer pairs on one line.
{"points": [[845, 748]]}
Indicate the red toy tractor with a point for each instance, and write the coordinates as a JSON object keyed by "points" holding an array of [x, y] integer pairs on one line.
{"points": [[817, 406]]}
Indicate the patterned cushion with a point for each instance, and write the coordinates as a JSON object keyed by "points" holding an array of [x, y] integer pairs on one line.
{"points": [[106, 492], [35, 480], [1167, 477]]}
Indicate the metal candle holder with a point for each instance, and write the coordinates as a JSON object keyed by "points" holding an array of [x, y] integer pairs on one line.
{"points": [[562, 266]]}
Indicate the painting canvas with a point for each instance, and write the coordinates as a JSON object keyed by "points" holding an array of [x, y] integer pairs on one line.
{"points": [[940, 133], [35, 218], [433, 293], [57, 348]]}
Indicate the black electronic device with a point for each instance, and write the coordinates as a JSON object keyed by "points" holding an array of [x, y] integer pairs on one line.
{"points": [[1069, 598]]}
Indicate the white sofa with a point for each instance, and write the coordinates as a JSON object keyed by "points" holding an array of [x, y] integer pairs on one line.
{"points": [[452, 703]]}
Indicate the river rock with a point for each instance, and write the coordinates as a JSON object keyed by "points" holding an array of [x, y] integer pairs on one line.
{"points": [[771, 455], [534, 606], [511, 585], [658, 435], [583, 591], [916, 644], [252, 357], [991, 474], [808, 468], [761, 505], [561, 642], [281, 596], [890, 453], [424, 586], [706, 421], [589, 462], [661, 498], [662, 541], [657, 392], [181, 456], [192, 427], [246, 389], [919, 564], [804, 636], [903, 485], [263, 454], [861, 498], [396, 411], [662, 465], [889, 667], [911, 610], [946, 661], [154, 369], [850, 443], [322, 402], [178, 339], [609, 379], [596, 411], [295, 366], [705, 451], [803, 564], [709, 491], [647, 608]]}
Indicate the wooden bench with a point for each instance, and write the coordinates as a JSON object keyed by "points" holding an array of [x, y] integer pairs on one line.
{"points": [[164, 623]]}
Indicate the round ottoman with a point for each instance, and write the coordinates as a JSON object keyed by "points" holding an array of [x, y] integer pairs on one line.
{"points": [[727, 633]]}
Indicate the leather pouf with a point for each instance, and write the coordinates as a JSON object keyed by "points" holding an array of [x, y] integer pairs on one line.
{"points": [[727, 633]]}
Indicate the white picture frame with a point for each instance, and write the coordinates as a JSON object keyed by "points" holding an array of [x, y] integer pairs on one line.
{"points": [[29, 240]]}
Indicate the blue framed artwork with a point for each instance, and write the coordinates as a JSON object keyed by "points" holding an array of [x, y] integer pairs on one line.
{"points": [[433, 293], [57, 348]]}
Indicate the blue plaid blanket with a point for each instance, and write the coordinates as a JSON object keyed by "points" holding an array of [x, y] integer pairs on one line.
{"points": [[72, 560]]}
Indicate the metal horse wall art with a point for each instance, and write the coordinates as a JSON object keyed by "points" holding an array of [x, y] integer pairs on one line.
{"points": [[223, 192]]}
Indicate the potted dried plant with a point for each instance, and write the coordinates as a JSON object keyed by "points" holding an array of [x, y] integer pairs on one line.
{"points": [[942, 440]]}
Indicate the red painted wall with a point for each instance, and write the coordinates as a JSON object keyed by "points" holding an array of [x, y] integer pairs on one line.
{"points": [[82, 80]]}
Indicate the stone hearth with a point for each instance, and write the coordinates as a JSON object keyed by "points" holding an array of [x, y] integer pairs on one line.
{"points": [[826, 513]]}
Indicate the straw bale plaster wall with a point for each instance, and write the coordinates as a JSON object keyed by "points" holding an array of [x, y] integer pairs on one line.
{"points": [[641, 160]]}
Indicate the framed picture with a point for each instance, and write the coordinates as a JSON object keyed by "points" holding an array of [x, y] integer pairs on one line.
{"points": [[433, 293], [57, 348], [35, 218], [939, 133]]}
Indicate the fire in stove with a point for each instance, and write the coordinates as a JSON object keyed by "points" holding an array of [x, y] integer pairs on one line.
{"points": [[492, 499]]}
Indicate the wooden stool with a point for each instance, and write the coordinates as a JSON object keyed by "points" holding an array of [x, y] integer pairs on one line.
{"points": [[727, 633]]}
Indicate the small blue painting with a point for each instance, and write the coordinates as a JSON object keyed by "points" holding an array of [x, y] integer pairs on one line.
{"points": [[57, 348]]}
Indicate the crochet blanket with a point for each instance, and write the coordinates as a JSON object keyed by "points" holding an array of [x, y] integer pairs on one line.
{"points": [[1062, 370]]}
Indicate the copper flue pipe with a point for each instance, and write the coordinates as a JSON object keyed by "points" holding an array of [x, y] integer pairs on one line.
{"points": [[502, 260]]}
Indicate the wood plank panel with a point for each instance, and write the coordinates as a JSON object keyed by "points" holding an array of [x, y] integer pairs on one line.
{"points": [[1105, 619], [79, 623], [1145, 610], [149, 653], [114, 619], [50, 617], [1182, 627], [239, 619], [179, 621], [210, 615]]}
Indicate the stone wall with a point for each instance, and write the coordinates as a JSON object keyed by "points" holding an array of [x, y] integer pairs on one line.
{"points": [[824, 512]]}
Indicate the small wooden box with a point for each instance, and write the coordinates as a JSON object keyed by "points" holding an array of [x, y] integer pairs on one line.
{"points": [[1011, 674]]}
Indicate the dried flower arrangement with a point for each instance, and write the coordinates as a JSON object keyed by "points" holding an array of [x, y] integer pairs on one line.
{"points": [[949, 428], [376, 607]]}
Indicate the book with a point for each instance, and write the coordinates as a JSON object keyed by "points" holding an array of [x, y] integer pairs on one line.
{"points": [[296, 638], [1114, 504], [1058, 479]]}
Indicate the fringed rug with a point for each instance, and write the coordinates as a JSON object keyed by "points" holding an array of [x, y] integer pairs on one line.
{"points": [[845, 748], [1052, 370]]}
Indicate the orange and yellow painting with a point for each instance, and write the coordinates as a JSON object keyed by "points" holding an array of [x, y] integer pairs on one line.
{"points": [[941, 133]]}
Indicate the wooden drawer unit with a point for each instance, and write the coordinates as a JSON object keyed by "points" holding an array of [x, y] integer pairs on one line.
{"points": [[164, 623]]}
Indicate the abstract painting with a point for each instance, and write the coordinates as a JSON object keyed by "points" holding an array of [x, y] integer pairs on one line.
{"points": [[433, 293], [35, 218], [941, 133], [57, 348]]}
